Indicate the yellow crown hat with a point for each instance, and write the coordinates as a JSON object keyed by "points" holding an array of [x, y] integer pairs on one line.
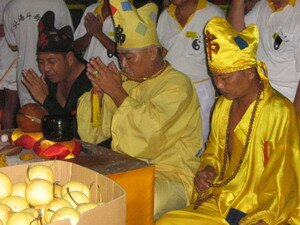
{"points": [[228, 50], [134, 28]]}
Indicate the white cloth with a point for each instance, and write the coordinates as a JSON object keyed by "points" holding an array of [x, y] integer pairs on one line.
{"points": [[7, 56], [95, 47], [186, 53], [186, 47], [283, 63], [207, 95], [20, 26], [9, 81]]}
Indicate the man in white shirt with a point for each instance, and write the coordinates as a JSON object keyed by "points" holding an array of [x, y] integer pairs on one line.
{"points": [[279, 44], [94, 35], [21, 31], [8, 84], [180, 32]]}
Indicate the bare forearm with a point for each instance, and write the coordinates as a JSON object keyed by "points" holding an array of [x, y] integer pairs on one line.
{"points": [[110, 45], [82, 43], [235, 15], [118, 96]]}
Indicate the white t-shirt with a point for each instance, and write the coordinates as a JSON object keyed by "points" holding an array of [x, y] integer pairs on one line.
{"points": [[186, 47], [7, 57], [6, 54], [95, 47], [279, 44], [20, 24]]}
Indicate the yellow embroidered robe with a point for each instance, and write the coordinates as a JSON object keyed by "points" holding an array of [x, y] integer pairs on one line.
{"points": [[158, 122], [267, 185]]}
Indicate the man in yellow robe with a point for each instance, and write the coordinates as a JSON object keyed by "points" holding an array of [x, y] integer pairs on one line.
{"points": [[153, 115], [249, 173]]}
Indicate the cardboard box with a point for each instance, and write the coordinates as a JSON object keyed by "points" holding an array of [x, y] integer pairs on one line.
{"points": [[112, 212]]}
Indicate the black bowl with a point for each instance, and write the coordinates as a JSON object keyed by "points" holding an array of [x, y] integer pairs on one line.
{"points": [[59, 127]]}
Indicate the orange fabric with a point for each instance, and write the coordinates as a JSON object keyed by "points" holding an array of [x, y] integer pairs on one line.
{"points": [[25, 139], [139, 187], [57, 150]]}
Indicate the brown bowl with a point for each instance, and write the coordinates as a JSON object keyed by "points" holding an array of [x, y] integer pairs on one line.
{"points": [[59, 127], [29, 117]]}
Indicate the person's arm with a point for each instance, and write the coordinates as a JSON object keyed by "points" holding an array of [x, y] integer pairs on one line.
{"points": [[142, 124], [107, 79], [109, 44], [204, 178], [36, 85], [81, 44], [40, 92], [236, 13], [94, 27], [86, 130]]}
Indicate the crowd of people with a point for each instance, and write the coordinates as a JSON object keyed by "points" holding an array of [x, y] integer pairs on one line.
{"points": [[212, 100]]}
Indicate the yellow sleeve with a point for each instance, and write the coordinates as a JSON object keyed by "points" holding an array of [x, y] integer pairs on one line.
{"points": [[143, 127], [278, 190], [86, 130]]}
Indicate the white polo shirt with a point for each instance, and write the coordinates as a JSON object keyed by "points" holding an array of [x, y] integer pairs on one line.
{"points": [[95, 47], [279, 44], [186, 46]]}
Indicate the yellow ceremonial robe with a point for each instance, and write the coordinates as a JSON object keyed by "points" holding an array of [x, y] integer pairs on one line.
{"points": [[159, 122], [267, 185]]}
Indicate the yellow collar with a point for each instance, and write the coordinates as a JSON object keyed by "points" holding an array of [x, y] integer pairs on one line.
{"points": [[271, 4], [98, 10], [171, 9]]}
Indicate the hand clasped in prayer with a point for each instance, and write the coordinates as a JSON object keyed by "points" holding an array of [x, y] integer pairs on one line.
{"points": [[36, 85], [106, 79]]}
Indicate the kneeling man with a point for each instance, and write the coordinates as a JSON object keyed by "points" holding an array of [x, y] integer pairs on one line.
{"points": [[151, 114], [249, 173]]}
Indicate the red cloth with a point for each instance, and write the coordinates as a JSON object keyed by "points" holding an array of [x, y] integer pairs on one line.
{"points": [[25, 139], [57, 150]]}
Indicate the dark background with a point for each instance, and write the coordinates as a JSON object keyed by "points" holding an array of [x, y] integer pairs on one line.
{"points": [[77, 7]]}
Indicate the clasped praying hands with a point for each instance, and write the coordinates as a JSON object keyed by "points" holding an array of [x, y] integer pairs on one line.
{"points": [[106, 79], [36, 85]]}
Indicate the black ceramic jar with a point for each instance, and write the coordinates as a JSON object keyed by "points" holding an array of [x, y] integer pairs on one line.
{"points": [[59, 127]]}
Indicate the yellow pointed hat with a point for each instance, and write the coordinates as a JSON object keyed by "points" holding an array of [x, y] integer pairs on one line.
{"points": [[134, 28], [228, 50]]}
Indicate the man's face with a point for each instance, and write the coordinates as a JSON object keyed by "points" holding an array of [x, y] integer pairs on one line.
{"points": [[54, 66], [135, 63], [232, 85]]}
